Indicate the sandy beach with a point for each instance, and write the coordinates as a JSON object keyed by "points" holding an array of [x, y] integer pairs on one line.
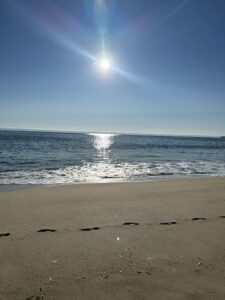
{"points": [[150, 240]]}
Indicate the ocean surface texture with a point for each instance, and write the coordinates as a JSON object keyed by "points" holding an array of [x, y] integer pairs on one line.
{"points": [[28, 157]]}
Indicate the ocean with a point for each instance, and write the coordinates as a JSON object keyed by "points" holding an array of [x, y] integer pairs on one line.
{"points": [[32, 157]]}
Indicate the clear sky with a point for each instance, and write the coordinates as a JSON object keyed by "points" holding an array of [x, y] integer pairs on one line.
{"points": [[167, 58]]}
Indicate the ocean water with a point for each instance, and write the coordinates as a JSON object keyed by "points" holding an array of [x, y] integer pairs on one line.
{"points": [[29, 157]]}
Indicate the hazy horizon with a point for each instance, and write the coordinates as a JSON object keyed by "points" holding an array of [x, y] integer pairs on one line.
{"points": [[109, 132]]}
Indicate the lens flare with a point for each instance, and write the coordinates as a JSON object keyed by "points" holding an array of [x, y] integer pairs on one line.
{"points": [[105, 64]]}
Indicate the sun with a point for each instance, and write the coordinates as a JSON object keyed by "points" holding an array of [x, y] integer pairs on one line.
{"points": [[105, 64]]}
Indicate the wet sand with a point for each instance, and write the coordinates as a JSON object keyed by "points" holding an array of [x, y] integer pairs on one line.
{"points": [[153, 240]]}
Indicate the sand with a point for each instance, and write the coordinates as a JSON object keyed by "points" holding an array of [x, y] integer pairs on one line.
{"points": [[161, 254]]}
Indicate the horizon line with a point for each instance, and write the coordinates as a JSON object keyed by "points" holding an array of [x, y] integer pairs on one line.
{"points": [[108, 132]]}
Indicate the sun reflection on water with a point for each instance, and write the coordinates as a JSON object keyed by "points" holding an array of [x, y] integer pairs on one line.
{"points": [[103, 141]]}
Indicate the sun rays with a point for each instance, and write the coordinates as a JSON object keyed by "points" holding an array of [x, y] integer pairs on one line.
{"points": [[61, 26]]}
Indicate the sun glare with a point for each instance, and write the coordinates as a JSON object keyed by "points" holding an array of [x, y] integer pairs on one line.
{"points": [[105, 64]]}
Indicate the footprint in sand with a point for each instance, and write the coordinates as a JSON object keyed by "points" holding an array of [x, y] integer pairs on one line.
{"points": [[131, 223], [35, 298], [168, 223], [4, 234], [46, 230], [197, 219], [90, 228]]}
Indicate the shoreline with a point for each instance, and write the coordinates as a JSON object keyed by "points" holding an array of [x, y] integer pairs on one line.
{"points": [[16, 187], [149, 240]]}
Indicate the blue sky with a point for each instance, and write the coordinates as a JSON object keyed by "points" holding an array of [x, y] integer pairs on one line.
{"points": [[167, 75]]}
